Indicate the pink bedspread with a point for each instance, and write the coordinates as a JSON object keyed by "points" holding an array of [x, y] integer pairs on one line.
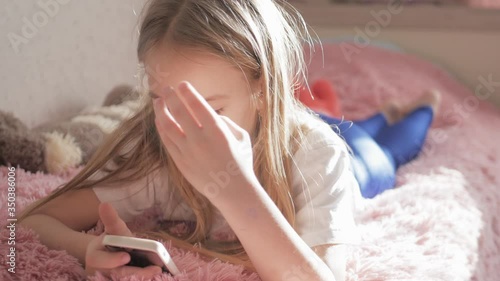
{"points": [[439, 223]]}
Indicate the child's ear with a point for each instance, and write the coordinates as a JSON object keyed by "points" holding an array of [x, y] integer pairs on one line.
{"points": [[258, 99], [258, 94]]}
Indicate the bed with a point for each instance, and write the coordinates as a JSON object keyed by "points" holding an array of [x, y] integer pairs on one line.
{"points": [[439, 223]]}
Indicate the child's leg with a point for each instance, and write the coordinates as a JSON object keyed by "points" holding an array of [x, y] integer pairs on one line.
{"points": [[404, 139], [373, 168], [373, 124], [389, 114]]}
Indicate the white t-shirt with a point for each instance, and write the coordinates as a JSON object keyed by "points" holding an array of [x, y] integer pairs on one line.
{"points": [[323, 186]]}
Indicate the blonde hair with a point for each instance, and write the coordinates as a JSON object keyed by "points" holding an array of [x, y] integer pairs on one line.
{"points": [[264, 38]]}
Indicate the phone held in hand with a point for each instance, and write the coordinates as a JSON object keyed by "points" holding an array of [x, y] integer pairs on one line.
{"points": [[143, 252]]}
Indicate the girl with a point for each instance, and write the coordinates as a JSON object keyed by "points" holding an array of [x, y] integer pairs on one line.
{"points": [[219, 141]]}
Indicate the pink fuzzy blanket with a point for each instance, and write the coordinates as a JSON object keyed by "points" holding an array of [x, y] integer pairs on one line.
{"points": [[440, 222]]}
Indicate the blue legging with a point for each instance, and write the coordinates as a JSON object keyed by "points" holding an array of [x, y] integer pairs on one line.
{"points": [[379, 149]]}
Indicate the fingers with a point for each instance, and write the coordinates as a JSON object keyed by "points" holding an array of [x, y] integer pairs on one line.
{"points": [[102, 259], [166, 121], [97, 257], [182, 113], [198, 105], [167, 141], [109, 260], [125, 271], [181, 110], [146, 272], [113, 224], [236, 130], [165, 128]]}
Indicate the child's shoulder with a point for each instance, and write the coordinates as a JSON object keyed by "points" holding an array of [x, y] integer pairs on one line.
{"points": [[317, 134]]}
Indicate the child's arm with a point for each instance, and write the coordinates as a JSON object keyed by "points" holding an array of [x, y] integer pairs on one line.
{"points": [[56, 235], [59, 222], [282, 255], [334, 255]]}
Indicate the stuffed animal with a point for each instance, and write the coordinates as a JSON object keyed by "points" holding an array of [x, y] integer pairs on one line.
{"points": [[57, 146]]}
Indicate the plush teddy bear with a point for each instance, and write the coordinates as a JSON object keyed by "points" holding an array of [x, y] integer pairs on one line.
{"points": [[57, 146]]}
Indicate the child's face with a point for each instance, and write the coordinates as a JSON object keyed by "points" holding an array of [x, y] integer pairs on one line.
{"points": [[223, 85]]}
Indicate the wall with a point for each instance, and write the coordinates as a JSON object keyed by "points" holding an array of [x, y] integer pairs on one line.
{"points": [[60, 56], [467, 55], [76, 51], [463, 40]]}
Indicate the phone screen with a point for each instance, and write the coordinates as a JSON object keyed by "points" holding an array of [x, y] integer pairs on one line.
{"points": [[140, 258]]}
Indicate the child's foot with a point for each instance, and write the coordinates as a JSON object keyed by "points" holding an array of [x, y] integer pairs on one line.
{"points": [[392, 111], [430, 98]]}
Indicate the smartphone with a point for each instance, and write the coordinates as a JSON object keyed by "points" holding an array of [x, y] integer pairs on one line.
{"points": [[143, 252]]}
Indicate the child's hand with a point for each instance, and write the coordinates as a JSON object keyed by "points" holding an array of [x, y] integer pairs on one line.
{"points": [[211, 151], [97, 258]]}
